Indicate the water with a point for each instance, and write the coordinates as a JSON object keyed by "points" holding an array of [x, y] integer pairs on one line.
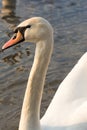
{"points": [[69, 20]]}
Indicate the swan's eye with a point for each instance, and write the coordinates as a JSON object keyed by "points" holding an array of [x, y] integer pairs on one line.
{"points": [[16, 30], [22, 29], [28, 26]]}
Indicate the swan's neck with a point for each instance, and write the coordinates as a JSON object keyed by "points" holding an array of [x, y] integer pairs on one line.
{"points": [[30, 115]]}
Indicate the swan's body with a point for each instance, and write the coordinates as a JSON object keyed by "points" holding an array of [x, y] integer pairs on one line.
{"points": [[68, 109]]}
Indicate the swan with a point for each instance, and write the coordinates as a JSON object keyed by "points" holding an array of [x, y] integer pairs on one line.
{"points": [[68, 108]]}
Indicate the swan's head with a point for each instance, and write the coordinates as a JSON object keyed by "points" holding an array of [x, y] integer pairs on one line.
{"points": [[32, 30]]}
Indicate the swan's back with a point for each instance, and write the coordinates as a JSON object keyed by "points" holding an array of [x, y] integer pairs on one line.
{"points": [[68, 109]]}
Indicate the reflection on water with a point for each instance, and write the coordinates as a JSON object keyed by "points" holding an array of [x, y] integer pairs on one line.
{"points": [[16, 57], [8, 11], [69, 20]]}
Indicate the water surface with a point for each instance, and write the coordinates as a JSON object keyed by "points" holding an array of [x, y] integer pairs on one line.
{"points": [[69, 20]]}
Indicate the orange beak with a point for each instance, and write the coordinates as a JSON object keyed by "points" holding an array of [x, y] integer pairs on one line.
{"points": [[14, 40]]}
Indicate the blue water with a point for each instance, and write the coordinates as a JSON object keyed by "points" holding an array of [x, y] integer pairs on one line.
{"points": [[69, 20]]}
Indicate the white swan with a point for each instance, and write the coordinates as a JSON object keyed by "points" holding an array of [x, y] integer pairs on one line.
{"points": [[68, 109]]}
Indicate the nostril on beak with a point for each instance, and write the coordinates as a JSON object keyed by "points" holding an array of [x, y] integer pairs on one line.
{"points": [[14, 36]]}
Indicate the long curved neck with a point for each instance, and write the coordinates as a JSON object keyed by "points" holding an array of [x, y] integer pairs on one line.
{"points": [[30, 115]]}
